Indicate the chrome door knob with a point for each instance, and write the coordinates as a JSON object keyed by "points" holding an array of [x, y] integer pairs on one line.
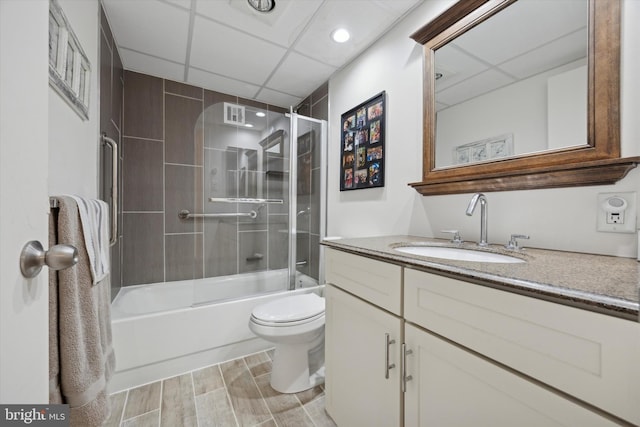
{"points": [[58, 257]]}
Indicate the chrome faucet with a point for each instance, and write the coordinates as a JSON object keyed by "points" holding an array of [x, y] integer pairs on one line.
{"points": [[484, 205]]}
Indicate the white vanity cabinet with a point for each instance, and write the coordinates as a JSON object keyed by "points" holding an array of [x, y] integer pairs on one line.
{"points": [[362, 341], [452, 387], [477, 356], [584, 355]]}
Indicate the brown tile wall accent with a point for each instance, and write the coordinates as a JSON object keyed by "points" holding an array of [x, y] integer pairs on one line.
{"points": [[183, 89], [110, 74], [143, 248], [183, 141], [143, 106], [183, 256], [183, 190], [142, 170]]}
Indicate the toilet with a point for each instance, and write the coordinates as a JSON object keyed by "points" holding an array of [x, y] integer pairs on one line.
{"points": [[295, 325]]}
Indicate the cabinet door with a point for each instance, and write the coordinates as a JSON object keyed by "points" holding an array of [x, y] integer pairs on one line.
{"points": [[588, 355], [357, 390], [453, 387]]}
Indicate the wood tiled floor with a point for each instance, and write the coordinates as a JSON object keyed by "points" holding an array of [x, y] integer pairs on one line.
{"points": [[233, 393]]}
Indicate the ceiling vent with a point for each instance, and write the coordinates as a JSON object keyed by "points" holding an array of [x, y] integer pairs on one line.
{"points": [[233, 114]]}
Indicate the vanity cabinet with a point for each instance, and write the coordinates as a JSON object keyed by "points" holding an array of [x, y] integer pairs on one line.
{"points": [[361, 362], [586, 355], [452, 387], [475, 355], [362, 341]]}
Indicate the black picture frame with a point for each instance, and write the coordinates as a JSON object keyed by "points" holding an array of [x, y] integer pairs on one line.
{"points": [[362, 138]]}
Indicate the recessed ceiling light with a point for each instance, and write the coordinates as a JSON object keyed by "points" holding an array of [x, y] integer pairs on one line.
{"points": [[248, 125], [263, 6], [260, 114], [340, 35]]}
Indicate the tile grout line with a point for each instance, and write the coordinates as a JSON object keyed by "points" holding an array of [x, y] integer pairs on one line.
{"points": [[160, 406], [124, 407], [244, 360], [195, 404], [226, 390]]}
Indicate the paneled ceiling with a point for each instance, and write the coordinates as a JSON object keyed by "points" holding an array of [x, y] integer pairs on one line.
{"points": [[224, 45], [527, 38]]}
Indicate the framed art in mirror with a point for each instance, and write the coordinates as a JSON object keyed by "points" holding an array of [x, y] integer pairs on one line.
{"points": [[595, 161]]}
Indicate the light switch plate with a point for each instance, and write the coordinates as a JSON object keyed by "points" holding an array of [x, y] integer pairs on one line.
{"points": [[622, 222]]}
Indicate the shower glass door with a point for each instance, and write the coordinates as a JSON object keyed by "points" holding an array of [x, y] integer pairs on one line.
{"points": [[307, 192], [245, 202], [262, 201]]}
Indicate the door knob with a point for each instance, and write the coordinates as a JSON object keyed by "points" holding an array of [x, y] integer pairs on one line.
{"points": [[58, 257]]}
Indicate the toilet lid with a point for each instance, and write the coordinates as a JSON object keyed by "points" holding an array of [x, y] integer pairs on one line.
{"points": [[290, 309]]}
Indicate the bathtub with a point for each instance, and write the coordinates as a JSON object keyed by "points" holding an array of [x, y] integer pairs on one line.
{"points": [[164, 329]]}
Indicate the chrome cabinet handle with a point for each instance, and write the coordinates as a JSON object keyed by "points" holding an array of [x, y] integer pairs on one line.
{"points": [[58, 257], [387, 367], [403, 368]]}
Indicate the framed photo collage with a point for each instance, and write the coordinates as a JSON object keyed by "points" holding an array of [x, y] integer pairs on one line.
{"points": [[362, 145]]}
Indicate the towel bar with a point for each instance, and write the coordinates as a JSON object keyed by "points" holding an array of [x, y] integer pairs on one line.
{"points": [[245, 200], [114, 187], [185, 214]]}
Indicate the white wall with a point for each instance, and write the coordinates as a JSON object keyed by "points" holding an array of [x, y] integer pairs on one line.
{"points": [[558, 218], [73, 142]]}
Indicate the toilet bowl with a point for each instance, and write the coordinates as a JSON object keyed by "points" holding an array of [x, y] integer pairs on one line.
{"points": [[295, 325]]}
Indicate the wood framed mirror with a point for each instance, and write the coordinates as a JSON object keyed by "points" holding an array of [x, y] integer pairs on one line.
{"points": [[594, 161]]}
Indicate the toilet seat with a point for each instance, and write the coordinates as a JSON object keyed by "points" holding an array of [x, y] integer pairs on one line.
{"points": [[289, 311], [286, 323]]}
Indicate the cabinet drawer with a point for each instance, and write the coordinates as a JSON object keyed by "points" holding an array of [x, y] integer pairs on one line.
{"points": [[451, 387], [591, 356], [377, 282]]}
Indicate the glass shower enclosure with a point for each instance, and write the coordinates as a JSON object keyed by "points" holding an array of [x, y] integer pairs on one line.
{"points": [[262, 211]]}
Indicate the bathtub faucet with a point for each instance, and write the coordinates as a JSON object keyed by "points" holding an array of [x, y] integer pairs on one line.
{"points": [[484, 205]]}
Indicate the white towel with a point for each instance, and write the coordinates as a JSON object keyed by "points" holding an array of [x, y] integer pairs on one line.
{"points": [[94, 215]]}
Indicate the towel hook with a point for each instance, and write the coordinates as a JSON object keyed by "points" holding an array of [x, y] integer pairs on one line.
{"points": [[58, 257]]}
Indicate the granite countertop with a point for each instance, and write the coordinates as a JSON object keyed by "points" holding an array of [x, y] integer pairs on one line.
{"points": [[604, 284]]}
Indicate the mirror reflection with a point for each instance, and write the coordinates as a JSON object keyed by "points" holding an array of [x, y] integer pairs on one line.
{"points": [[513, 85]]}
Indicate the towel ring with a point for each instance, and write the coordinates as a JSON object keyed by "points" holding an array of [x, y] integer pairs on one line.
{"points": [[58, 257]]}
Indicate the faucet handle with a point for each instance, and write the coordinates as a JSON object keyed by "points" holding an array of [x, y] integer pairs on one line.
{"points": [[456, 236], [513, 243]]}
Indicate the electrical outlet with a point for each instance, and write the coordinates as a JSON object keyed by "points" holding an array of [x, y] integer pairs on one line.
{"points": [[617, 212]]}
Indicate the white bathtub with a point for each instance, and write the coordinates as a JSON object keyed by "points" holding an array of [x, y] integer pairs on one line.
{"points": [[164, 329]]}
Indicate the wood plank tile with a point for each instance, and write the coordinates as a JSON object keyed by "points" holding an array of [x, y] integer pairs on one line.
{"points": [[214, 409], [117, 401], [309, 395], [316, 409], [246, 400], [286, 408], [150, 419], [207, 379], [178, 404], [143, 399], [259, 363]]}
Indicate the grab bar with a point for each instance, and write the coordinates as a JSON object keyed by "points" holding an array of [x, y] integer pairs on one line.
{"points": [[244, 200], [114, 188], [185, 214]]}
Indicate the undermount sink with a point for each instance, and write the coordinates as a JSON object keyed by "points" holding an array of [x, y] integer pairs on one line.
{"points": [[457, 254]]}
